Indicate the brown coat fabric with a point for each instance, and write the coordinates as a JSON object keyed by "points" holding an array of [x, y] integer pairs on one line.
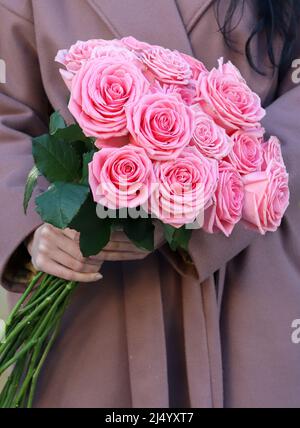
{"points": [[151, 333]]}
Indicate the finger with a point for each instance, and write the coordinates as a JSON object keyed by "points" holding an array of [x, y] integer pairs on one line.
{"points": [[71, 247], [75, 265], [72, 234], [54, 268]]}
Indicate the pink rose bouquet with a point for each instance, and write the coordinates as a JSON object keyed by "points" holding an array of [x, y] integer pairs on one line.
{"points": [[157, 138]]}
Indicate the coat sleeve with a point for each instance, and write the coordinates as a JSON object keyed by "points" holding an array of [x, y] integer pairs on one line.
{"points": [[23, 114], [210, 252]]}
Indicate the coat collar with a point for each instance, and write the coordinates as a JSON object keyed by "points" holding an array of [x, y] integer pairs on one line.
{"points": [[162, 25]]}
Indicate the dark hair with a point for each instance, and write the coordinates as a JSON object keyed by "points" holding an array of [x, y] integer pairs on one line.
{"points": [[275, 18]]}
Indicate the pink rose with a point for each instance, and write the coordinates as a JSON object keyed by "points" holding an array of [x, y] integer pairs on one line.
{"points": [[100, 91], [185, 187], [167, 66], [226, 210], [209, 138], [224, 94], [266, 197], [135, 45], [121, 178], [197, 66], [272, 151], [99, 50], [74, 58], [187, 93], [114, 51], [247, 153], [162, 124], [114, 142], [67, 77]]}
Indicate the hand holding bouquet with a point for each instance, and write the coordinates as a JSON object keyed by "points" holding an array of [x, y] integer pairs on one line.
{"points": [[158, 138]]}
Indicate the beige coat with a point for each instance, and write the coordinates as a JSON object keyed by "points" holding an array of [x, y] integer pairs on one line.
{"points": [[153, 334]]}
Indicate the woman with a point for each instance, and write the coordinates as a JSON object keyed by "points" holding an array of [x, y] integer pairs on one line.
{"points": [[158, 330]]}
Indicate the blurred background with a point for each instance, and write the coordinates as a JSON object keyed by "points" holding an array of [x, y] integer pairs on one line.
{"points": [[3, 303], [3, 315]]}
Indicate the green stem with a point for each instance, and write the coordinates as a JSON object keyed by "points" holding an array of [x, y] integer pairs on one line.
{"points": [[35, 355], [36, 338], [49, 292], [13, 346], [4, 396], [37, 327], [26, 321], [46, 352], [39, 368], [45, 284], [23, 298], [22, 392], [13, 383]]}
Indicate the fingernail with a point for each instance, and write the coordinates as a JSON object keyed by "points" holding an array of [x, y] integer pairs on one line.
{"points": [[98, 276]]}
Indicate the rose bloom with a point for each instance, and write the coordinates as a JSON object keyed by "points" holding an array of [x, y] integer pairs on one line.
{"points": [[167, 66], [224, 94], [266, 197], [271, 151], [135, 45], [113, 51], [187, 92], [197, 66], [162, 124], [209, 138], [102, 51], [74, 58], [121, 178], [185, 188], [247, 153], [114, 142], [226, 209], [100, 91]]}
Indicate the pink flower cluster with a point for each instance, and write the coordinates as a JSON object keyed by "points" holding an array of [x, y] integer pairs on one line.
{"points": [[173, 137]]}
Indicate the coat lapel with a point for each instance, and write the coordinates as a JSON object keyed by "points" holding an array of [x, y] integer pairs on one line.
{"points": [[192, 11], [153, 21]]}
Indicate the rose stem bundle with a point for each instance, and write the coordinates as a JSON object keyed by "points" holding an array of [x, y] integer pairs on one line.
{"points": [[31, 330]]}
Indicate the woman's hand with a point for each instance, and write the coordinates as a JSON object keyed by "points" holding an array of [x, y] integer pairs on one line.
{"points": [[56, 252], [120, 248]]}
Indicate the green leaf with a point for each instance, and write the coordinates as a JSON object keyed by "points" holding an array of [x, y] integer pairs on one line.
{"points": [[74, 135], [182, 237], [86, 159], [177, 238], [140, 231], [90, 144], [61, 202], [94, 231], [55, 159], [29, 187], [71, 133], [169, 232], [56, 122]]}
